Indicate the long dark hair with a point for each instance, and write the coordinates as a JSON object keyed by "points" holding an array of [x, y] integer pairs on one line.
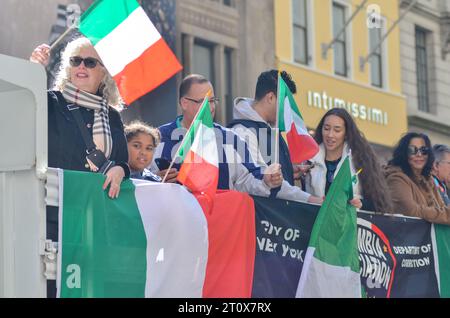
{"points": [[373, 183], [400, 155]]}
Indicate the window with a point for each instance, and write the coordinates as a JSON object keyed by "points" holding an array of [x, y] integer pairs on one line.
{"points": [[376, 61], [217, 62], [422, 69], [203, 57], [228, 3], [300, 31], [340, 46]]}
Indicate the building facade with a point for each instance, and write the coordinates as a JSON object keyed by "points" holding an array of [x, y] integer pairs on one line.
{"points": [[224, 40], [232, 41], [324, 44], [425, 55]]}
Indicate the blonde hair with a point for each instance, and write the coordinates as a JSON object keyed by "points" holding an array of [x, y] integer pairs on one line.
{"points": [[138, 127], [107, 88]]}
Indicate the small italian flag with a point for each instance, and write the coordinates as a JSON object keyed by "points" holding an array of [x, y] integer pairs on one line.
{"points": [[331, 267], [200, 169], [129, 45], [301, 145]]}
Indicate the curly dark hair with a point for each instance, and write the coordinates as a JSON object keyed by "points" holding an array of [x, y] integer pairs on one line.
{"points": [[400, 155], [373, 183], [268, 82]]}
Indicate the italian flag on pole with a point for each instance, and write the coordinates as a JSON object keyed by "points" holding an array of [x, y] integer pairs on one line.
{"points": [[129, 45], [200, 169], [331, 266], [301, 145]]}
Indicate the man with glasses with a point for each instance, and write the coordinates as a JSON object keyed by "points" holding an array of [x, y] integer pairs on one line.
{"points": [[441, 170], [237, 171]]}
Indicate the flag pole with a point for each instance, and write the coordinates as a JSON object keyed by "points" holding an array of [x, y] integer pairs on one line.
{"points": [[182, 141], [62, 36], [277, 129]]}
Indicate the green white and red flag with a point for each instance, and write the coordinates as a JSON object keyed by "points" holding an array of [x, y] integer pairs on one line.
{"points": [[129, 45], [301, 145]]}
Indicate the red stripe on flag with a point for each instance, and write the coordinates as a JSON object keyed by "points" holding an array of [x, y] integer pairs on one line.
{"points": [[156, 65], [199, 176], [301, 147], [232, 246]]}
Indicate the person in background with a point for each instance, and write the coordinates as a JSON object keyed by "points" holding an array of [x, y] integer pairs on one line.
{"points": [[336, 134], [142, 141], [253, 122], [409, 178], [441, 170]]}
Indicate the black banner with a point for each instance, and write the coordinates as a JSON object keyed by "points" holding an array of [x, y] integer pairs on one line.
{"points": [[396, 254], [396, 257]]}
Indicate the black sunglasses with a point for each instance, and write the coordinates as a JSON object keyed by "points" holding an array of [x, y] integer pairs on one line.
{"points": [[413, 150], [213, 100], [89, 62]]}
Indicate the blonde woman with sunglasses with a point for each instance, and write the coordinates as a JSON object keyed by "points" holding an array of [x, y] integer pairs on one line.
{"points": [[83, 102], [410, 181]]}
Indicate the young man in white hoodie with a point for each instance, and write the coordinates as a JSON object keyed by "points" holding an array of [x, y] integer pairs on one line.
{"points": [[253, 122]]}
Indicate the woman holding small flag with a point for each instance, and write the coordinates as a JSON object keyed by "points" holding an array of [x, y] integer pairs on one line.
{"points": [[336, 135], [85, 131], [84, 87]]}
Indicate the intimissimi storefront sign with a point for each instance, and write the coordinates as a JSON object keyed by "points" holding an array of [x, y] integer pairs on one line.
{"points": [[363, 112]]}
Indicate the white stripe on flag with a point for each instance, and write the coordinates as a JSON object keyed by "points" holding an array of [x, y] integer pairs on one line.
{"points": [[291, 116], [127, 41], [176, 254], [205, 145], [323, 280]]}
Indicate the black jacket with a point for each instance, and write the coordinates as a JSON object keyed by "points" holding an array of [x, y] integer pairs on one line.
{"points": [[66, 148]]}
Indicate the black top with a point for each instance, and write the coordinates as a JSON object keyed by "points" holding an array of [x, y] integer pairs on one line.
{"points": [[331, 169], [66, 147]]}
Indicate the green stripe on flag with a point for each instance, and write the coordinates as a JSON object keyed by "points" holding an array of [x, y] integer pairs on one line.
{"points": [[204, 117], [334, 233], [104, 242], [442, 233], [283, 93], [104, 16]]}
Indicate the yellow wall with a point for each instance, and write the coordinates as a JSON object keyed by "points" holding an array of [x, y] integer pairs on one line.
{"points": [[319, 76], [394, 105]]}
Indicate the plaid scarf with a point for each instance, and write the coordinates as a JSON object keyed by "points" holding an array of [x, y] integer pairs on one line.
{"points": [[101, 132]]}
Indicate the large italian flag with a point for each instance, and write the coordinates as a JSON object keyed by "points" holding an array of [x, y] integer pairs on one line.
{"points": [[200, 169], [331, 267], [153, 241], [301, 145], [129, 45]]}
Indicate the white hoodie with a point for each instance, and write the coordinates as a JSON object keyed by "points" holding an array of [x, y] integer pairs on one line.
{"points": [[243, 109]]}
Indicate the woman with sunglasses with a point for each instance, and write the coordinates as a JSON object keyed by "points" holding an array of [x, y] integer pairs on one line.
{"points": [[336, 134], [84, 86], [409, 178]]}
